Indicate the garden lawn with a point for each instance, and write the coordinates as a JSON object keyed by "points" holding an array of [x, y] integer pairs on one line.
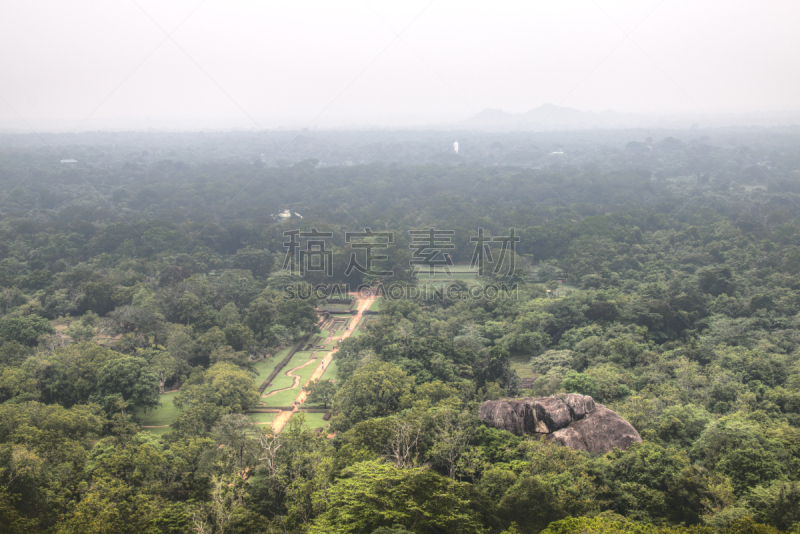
{"points": [[377, 304], [281, 380], [336, 307], [306, 372], [521, 364], [163, 415], [286, 398], [361, 328], [261, 417], [314, 421], [160, 431], [264, 368], [331, 371], [267, 365]]}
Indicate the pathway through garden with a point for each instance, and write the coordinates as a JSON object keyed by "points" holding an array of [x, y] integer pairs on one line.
{"points": [[362, 304], [289, 373]]}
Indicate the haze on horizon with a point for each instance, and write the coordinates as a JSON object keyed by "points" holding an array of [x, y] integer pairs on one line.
{"points": [[238, 64]]}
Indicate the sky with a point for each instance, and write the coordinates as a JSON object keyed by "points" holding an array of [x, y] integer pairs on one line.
{"points": [[233, 64]]}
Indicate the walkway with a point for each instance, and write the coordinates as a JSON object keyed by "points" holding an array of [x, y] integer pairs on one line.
{"points": [[295, 381], [279, 422]]}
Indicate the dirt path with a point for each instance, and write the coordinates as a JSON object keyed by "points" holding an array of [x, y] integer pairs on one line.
{"points": [[280, 422], [295, 383]]}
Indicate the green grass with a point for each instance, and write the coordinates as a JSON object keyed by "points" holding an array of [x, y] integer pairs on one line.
{"points": [[314, 421], [361, 328], [457, 272], [323, 351], [267, 365], [318, 339], [441, 275], [281, 354], [336, 307], [521, 364], [163, 415], [157, 431], [285, 398], [331, 371], [306, 372], [440, 280], [281, 380], [261, 417], [377, 305], [264, 368]]}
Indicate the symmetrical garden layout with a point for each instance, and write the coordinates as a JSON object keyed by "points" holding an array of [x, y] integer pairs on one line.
{"points": [[284, 394]]}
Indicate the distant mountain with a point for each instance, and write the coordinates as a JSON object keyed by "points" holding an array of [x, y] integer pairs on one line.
{"points": [[551, 117]]}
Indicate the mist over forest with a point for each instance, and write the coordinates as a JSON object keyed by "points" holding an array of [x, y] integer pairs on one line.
{"points": [[171, 364], [420, 267]]}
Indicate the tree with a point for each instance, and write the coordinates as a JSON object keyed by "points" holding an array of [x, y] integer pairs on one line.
{"points": [[552, 358], [742, 450], [69, 375], [530, 502], [297, 314], [26, 329], [372, 495], [13, 353], [260, 317], [715, 280], [190, 307], [777, 504], [224, 353], [81, 330], [552, 286], [229, 315], [453, 431], [132, 379], [97, 297], [375, 390], [34, 438], [321, 392], [615, 523], [110, 505], [13, 522], [16, 384], [575, 382], [223, 389], [682, 425], [143, 323], [257, 261], [240, 337], [181, 345], [162, 363], [236, 447]]}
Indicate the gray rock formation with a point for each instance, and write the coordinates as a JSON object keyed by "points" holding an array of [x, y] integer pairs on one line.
{"points": [[572, 420]]}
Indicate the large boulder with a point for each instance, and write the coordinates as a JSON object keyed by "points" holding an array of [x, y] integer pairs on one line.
{"points": [[572, 420]]}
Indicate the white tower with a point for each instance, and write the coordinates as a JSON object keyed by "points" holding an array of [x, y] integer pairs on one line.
{"points": [[455, 147]]}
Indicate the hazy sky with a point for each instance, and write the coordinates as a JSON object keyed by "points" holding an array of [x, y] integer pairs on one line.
{"points": [[335, 63]]}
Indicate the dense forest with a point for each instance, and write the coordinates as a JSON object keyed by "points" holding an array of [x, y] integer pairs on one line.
{"points": [[156, 266]]}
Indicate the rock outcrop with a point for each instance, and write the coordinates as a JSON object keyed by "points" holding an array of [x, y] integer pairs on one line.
{"points": [[572, 420]]}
